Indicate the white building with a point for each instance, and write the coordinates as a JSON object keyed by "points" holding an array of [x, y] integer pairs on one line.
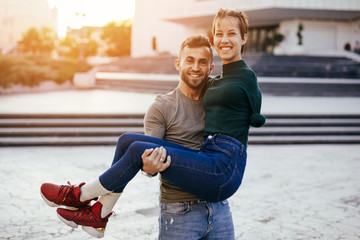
{"points": [[327, 24], [18, 16]]}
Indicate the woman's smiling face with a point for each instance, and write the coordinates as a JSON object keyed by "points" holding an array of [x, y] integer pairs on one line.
{"points": [[227, 39]]}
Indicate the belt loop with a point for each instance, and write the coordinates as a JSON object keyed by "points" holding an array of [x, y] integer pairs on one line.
{"points": [[211, 138], [191, 203]]}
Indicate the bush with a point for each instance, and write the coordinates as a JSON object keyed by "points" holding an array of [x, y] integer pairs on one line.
{"points": [[31, 71]]}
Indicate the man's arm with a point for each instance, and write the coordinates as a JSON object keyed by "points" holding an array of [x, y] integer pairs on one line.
{"points": [[155, 126], [155, 120]]}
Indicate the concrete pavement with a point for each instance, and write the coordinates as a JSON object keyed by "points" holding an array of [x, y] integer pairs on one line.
{"points": [[289, 192]]}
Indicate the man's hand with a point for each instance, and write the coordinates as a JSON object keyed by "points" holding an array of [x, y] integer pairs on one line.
{"points": [[153, 160]]}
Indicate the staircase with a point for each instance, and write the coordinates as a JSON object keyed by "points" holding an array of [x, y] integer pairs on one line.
{"points": [[268, 86], [266, 65], [307, 129], [303, 66], [303, 75], [82, 130]]}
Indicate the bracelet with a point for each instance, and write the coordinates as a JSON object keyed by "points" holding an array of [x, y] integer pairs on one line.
{"points": [[148, 175]]}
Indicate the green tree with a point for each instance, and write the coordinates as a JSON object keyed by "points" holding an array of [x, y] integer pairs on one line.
{"points": [[38, 41], [118, 38], [47, 38], [71, 46], [90, 45], [299, 34]]}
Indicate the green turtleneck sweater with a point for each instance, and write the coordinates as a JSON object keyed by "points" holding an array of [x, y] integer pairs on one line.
{"points": [[232, 102]]}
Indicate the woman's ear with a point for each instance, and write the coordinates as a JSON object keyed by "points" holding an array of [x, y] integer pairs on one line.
{"points": [[244, 39]]}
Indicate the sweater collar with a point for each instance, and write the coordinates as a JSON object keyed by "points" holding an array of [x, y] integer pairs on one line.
{"points": [[232, 67]]}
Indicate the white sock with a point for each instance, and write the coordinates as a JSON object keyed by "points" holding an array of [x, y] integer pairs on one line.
{"points": [[108, 202], [92, 190]]}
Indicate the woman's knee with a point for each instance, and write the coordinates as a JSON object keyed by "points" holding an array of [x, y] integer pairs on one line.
{"points": [[139, 147], [135, 151], [125, 140]]}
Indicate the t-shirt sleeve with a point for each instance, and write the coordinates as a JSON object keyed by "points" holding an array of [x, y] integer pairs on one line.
{"points": [[154, 120]]}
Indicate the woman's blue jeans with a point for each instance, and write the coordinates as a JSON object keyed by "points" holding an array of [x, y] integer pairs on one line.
{"points": [[213, 174]]}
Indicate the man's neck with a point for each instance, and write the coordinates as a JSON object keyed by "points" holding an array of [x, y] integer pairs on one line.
{"points": [[194, 94]]}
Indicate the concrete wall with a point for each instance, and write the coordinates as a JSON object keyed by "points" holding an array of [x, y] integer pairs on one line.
{"points": [[319, 37], [17, 16], [153, 19], [302, 4]]}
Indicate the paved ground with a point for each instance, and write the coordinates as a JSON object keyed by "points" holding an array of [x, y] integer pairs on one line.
{"points": [[289, 192]]}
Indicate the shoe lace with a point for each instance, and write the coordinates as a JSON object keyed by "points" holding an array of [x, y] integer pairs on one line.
{"points": [[67, 192], [87, 214]]}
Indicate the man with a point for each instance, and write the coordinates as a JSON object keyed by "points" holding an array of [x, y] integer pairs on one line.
{"points": [[179, 117]]}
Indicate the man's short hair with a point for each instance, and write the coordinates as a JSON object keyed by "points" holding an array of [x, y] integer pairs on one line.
{"points": [[195, 41]]}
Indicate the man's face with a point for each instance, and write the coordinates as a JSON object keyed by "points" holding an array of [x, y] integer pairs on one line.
{"points": [[194, 66]]}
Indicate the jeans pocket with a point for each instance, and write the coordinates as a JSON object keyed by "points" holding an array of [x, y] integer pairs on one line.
{"points": [[175, 208], [231, 186], [228, 152]]}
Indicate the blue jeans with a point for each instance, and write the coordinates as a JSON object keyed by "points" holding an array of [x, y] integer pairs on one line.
{"points": [[213, 174], [196, 220]]}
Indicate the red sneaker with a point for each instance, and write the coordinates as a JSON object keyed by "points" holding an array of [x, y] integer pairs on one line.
{"points": [[63, 195], [89, 217]]}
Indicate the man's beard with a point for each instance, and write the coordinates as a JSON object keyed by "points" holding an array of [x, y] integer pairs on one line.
{"points": [[197, 85]]}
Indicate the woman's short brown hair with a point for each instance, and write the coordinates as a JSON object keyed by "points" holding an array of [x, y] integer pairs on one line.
{"points": [[238, 14]]}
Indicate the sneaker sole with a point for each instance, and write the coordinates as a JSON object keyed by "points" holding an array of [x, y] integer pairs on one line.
{"points": [[69, 223], [52, 204], [95, 232]]}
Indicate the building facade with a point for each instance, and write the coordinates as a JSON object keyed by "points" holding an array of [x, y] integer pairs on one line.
{"points": [[18, 16], [320, 27]]}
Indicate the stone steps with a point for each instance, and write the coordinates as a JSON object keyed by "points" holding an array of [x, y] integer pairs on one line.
{"points": [[263, 65], [271, 86], [137, 85], [92, 129], [267, 88], [116, 131]]}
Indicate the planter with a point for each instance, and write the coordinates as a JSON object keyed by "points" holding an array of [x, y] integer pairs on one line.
{"points": [[85, 80], [297, 50], [278, 50]]}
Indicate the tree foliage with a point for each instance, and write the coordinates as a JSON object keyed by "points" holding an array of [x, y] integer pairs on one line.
{"points": [[71, 46], [32, 70], [118, 38], [36, 41]]}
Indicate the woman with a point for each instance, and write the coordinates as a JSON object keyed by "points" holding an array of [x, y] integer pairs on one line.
{"points": [[232, 102]]}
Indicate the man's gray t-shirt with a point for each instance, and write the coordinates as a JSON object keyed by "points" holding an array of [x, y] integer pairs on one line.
{"points": [[178, 119]]}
